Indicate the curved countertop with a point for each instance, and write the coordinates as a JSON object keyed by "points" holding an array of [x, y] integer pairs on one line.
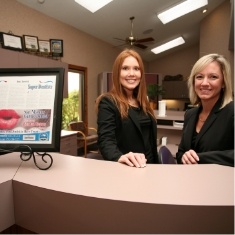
{"points": [[78, 195]]}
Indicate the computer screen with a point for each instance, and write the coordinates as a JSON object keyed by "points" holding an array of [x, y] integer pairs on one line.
{"points": [[31, 109]]}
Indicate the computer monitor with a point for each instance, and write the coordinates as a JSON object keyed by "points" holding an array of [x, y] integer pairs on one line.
{"points": [[31, 109]]}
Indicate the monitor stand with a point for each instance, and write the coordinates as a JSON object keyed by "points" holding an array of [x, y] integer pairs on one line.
{"points": [[25, 156]]}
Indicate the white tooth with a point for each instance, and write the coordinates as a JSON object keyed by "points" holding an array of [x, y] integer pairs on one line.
{"points": [[130, 81]]}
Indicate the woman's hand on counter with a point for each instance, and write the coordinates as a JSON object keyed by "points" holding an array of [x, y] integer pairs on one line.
{"points": [[133, 159], [190, 157]]}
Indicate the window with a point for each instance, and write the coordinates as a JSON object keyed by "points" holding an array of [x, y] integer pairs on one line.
{"points": [[74, 106]]}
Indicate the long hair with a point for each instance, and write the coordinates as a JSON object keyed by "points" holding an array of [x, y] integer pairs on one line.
{"points": [[226, 92], [118, 94]]}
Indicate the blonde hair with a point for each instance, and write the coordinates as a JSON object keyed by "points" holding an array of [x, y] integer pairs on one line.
{"points": [[118, 94], [226, 92]]}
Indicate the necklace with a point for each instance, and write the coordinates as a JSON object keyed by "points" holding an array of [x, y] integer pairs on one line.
{"points": [[201, 120]]}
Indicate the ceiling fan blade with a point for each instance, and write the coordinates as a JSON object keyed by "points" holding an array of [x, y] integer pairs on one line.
{"points": [[145, 40], [120, 39], [140, 46], [132, 41]]}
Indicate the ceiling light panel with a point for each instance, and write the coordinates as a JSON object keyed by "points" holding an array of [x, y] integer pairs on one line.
{"points": [[93, 5], [181, 9], [173, 43]]}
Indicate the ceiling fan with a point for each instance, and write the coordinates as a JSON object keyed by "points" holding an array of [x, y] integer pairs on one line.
{"points": [[132, 41]]}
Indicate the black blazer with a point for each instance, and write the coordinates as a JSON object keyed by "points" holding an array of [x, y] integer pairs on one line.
{"points": [[215, 141], [118, 136]]}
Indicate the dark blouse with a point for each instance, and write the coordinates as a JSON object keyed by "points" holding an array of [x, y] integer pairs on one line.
{"points": [[194, 139], [145, 124]]}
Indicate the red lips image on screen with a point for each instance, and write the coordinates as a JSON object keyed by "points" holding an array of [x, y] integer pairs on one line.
{"points": [[8, 119]]}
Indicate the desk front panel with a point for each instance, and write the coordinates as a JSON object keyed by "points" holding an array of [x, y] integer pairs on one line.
{"points": [[8, 168], [47, 211]]}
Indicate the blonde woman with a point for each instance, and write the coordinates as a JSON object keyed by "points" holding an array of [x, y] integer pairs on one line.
{"points": [[126, 123], [208, 133]]}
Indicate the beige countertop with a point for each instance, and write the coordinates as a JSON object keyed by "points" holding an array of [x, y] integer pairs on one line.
{"points": [[67, 133], [73, 175], [78, 195]]}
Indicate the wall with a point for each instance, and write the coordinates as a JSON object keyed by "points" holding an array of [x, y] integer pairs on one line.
{"points": [[79, 48], [84, 50], [214, 33], [177, 63], [214, 38]]}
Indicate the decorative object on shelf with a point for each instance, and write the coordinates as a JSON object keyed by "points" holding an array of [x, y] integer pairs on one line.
{"points": [[30, 43], [44, 47], [154, 91], [161, 108], [178, 77], [51, 48], [11, 41], [164, 141], [56, 47]]}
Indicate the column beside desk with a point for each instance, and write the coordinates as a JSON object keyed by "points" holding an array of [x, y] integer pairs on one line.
{"points": [[170, 126]]}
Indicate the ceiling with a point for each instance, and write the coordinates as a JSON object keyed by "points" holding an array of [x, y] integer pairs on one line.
{"points": [[113, 21]]}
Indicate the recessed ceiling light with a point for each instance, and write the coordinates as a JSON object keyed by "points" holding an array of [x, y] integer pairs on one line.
{"points": [[166, 46], [181, 9], [93, 5]]}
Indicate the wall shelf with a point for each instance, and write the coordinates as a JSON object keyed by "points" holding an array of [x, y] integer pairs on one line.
{"points": [[169, 127]]}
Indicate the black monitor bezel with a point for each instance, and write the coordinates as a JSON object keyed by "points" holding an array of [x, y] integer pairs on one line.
{"points": [[54, 146]]}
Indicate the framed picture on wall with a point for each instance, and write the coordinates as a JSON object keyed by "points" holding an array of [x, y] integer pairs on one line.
{"points": [[10, 41], [30, 43], [44, 46], [56, 47]]}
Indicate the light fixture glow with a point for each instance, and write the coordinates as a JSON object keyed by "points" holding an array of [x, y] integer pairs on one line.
{"points": [[93, 5], [166, 46], [181, 9]]}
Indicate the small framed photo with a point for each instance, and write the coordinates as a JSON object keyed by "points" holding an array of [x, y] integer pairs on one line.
{"points": [[44, 46], [10, 41], [30, 43], [56, 47]]}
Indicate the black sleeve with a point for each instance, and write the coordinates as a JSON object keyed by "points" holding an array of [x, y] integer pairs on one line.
{"points": [[225, 157], [106, 121]]}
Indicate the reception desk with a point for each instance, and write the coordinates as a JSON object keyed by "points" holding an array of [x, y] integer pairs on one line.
{"points": [[78, 195]]}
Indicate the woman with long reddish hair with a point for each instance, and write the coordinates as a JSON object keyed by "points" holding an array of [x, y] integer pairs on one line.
{"points": [[127, 130]]}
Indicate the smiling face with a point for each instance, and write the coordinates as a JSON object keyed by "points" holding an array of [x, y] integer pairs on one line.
{"points": [[130, 74], [209, 82]]}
